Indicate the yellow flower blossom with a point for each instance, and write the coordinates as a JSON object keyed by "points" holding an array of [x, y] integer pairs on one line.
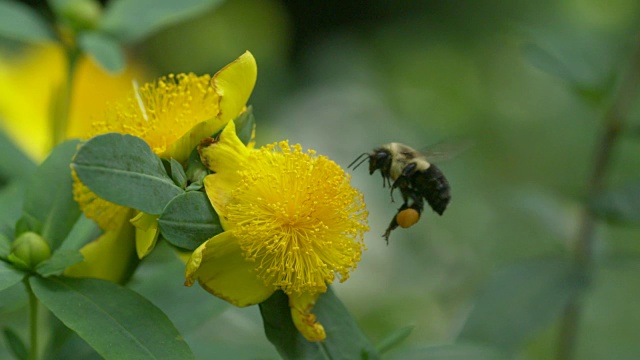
{"points": [[292, 222], [30, 83], [172, 115]]}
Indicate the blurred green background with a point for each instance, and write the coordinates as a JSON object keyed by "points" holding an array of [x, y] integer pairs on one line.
{"points": [[528, 82]]}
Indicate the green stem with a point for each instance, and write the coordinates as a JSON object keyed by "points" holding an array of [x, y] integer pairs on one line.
{"points": [[33, 321], [614, 122], [63, 102]]}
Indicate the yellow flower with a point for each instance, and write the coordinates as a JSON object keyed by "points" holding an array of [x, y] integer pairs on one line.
{"points": [[172, 115], [30, 83], [292, 222]]}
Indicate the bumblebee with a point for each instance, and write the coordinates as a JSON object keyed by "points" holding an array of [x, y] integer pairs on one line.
{"points": [[408, 170]]}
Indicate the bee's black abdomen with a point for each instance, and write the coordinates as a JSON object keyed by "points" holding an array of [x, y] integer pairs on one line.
{"points": [[435, 188]]}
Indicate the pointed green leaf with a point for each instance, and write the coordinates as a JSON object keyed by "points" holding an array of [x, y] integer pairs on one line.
{"points": [[189, 220], [22, 23], [5, 246], [133, 20], [60, 260], [83, 232], [344, 338], [104, 50], [124, 170], [520, 300], [11, 201], [177, 174], [49, 207], [9, 276], [16, 344], [245, 125], [117, 322]]}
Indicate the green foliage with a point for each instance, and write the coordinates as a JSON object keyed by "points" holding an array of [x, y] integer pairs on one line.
{"points": [[59, 260], [104, 314], [619, 205], [14, 163], [9, 276], [245, 125], [177, 174], [11, 199], [49, 208], [104, 49], [394, 339], [20, 22], [448, 352], [520, 300], [15, 344], [128, 161], [132, 20], [344, 338], [189, 220]]}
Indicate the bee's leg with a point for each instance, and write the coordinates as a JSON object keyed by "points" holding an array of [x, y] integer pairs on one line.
{"points": [[403, 183], [394, 223]]}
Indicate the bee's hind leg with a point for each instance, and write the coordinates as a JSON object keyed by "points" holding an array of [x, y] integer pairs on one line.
{"points": [[394, 223]]}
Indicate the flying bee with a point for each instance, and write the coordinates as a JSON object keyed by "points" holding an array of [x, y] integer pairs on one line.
{"points": [[408, 170]]}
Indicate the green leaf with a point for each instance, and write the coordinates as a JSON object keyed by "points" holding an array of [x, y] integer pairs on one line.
{"points": [[11, 199], [394, 339], [619, 205], [196, 171], [9, 276], [83, 232], [5, 246], [189, 220], [105, 314], [103, 49], [16, 344], [14, 164], [548, 63], [448, 352], [344, 338], [520, 300], [60, 260], [160, 279], [49, 207], [245, 125], [22, 23], [133, 20], [177, 174], [123, 169]]}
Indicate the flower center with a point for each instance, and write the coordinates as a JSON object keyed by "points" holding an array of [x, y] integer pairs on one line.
{"points": [[162, 111], [296, 215]]}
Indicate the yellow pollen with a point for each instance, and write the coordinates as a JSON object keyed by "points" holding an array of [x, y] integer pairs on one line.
{"points": [[298, 218]]}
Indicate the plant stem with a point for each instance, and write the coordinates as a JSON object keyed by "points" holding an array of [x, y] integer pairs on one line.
{"points": [[614, 122], [63, 101], [33, 321]]}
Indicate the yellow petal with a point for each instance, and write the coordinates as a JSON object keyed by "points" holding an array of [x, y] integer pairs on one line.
{"points": [[181, 148], [301, 306], [111, 257], [146, 233], [234, 84], [225, 157], [221, 269]]}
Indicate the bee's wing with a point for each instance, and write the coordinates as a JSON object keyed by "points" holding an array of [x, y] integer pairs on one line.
{"points": [[446, 150]]}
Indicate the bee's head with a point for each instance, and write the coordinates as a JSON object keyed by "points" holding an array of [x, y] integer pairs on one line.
{"points": [[380, 158]]}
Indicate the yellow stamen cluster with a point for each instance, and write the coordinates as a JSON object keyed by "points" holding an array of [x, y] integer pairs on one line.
{"points": [[109, 216], [297, 216], [162, 111]]}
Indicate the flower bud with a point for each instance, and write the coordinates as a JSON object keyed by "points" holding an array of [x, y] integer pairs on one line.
{"points": [[78, 14], [29, 249]]}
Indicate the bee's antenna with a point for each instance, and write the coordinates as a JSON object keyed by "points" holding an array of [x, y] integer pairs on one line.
{"points": [[356, 160]]}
